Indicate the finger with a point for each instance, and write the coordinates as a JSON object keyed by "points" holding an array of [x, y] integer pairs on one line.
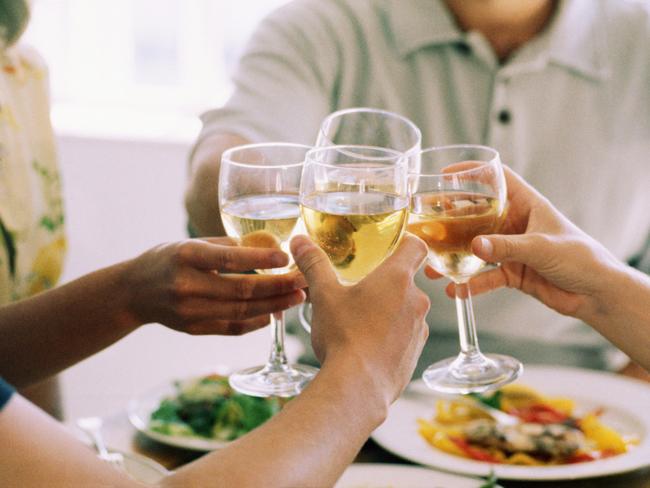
{"points": [[230, 259], [479, 284], [409, 255], [194, 282], [312, 262], [519, 189], [529, 249], [247, 287], [222, 241], [197, 308], [228, 327], [431, 273]]}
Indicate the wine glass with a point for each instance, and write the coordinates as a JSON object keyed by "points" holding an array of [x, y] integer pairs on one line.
{"points": [[258, 197], [458, 194], [363, 126], [354, 205]]}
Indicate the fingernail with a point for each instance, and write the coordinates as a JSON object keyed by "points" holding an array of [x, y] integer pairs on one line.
{"points": [[485, 246], [298, 298], [298, 246]]}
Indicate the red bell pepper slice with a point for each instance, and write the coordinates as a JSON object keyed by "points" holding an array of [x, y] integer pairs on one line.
{"points": [[474, 452]]}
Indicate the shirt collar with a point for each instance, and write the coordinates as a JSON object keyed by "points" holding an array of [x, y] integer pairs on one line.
{"points": [[421, 23], [575, 36]]}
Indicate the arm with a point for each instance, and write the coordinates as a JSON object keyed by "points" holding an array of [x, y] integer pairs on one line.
{"points": [[545, 255], [284, 86], [367, 360], [201, 199], [178, 285]]}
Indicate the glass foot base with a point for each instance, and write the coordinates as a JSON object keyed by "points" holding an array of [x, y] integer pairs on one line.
{"points": [[462, 375], [262, 381]]}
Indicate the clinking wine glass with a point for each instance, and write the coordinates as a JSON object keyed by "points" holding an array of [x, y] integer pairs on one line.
{"points": [[258, 197], [460, 193], [364, 127], [354, 205]]}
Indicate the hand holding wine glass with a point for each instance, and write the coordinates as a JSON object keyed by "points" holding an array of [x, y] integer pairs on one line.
{"points": [[354, 205], [368, 328], [365, 126], [543, 254], [459, 193], [258, 198]]}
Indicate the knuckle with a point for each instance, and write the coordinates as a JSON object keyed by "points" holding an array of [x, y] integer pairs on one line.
{"points": [[226, 259], [244, 289], [424, 303], [181, 286], [419, 248], [184, 251], [240, 311], [234, 328], [425, 331], [310, 261]]}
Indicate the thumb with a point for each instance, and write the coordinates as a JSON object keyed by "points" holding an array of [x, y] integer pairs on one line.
{"points": [[527, 249], [312, 262]]}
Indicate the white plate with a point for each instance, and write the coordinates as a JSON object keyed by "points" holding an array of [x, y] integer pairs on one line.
{"points": [[363, 475], [140, 408], [627, 409]]}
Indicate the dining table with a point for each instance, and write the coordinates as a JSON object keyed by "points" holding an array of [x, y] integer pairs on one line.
{"points": [[119, 434], [104, 384]]}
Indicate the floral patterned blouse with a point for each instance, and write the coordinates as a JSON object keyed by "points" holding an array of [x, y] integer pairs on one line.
{"points": [[32, 240]]}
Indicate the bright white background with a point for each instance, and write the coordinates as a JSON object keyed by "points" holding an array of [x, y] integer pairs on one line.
{"points": [[128, 79]]}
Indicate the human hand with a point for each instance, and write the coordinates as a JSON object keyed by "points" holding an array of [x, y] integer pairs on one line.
{"points": [[187, 286], [377, 324], [542, 254]]}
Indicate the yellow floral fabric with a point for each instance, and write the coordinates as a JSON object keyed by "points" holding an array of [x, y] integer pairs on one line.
{"points": [[32, 239]]}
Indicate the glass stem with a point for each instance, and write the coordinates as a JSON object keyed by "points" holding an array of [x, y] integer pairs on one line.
{"points": [[466, 323], [277, 358]]}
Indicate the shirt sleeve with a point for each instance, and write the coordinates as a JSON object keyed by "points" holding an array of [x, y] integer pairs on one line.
{"points": [[285, 80], [6, 390]]}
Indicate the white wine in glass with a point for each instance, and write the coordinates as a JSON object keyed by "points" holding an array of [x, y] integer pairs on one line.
{"points": [[258, 197], [354, 206], [366, 126], [266, 220], [447, 222], [356, 232], [460, 193]]}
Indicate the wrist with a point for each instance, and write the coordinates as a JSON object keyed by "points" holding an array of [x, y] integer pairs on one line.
{"points": [[352, 377], [126, 315], [617, 291]]}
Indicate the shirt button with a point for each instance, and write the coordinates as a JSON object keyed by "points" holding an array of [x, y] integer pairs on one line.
{"points": [[504, 116], [463, 48]]}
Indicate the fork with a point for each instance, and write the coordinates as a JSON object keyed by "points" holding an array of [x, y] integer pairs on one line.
{"points": [[92, 426]]}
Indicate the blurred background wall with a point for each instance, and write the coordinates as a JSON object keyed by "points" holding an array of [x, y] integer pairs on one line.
{"points": [[129, 79]]}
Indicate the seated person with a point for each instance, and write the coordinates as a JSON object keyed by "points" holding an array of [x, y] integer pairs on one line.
{"points": [[309, 443], [542, 81]]}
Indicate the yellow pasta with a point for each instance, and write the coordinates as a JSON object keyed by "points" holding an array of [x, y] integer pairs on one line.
{"points": [[447, 429]]}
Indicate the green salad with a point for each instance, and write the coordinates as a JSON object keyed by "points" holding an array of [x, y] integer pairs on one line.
{"points": [[208, 407]]}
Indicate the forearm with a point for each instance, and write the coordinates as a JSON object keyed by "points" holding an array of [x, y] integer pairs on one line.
{"points": [[47, 333], [621, 312], [201, 199], [310, 443]]}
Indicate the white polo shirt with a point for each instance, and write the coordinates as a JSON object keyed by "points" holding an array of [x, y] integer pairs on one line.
{"points": [[569, 111]]}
